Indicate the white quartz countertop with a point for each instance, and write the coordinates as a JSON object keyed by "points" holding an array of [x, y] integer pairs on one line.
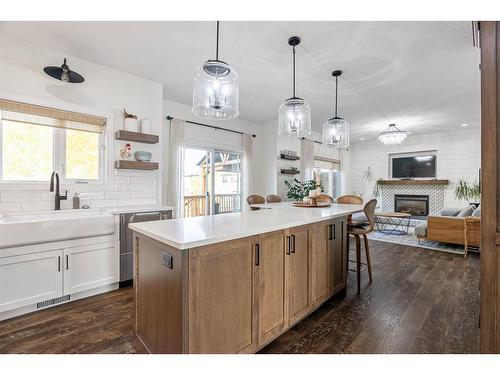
{"points": [[116, 210], [205, 230]]}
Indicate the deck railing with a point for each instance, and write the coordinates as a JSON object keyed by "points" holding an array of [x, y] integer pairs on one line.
{"points": [[195, 205]]}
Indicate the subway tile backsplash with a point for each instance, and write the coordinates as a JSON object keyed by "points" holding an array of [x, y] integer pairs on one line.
{"points": [[127, 188]]}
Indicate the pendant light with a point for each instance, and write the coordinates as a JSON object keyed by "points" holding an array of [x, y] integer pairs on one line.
{"points": [[63, 73], [294, 113], [336, 129], [216, 89], [392, 135]]}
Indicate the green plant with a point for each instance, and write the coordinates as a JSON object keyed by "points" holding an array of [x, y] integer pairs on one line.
{"points": [[467, 191], [298, 190]]}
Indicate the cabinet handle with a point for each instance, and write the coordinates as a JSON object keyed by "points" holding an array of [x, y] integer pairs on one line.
{"points": [[330, 232], [288, 245], [334, 231], [59, 263], [257, 254], [293, 243], [67, 261]]}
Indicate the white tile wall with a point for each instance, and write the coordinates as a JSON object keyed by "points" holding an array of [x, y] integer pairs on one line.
{"points": [[127, 188]]}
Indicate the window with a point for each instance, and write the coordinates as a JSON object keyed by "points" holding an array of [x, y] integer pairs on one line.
{"points": [[34, 141], [327, 173]]}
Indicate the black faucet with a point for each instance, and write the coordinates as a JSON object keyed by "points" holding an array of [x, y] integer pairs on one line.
{"points": [[59, 197]]}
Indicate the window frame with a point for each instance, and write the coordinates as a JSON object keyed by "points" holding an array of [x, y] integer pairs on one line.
{"points": [[59, 154]]}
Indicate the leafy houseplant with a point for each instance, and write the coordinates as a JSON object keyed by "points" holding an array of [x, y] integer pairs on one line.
{"points": [[298, 190], [468, 191]]}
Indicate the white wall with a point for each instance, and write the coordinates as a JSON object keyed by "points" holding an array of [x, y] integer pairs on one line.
{"points": [[198, 135], [458, 156], [105, 92]]}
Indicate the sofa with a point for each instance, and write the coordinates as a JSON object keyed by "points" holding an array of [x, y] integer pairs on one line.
{"points": [[451, 226]]}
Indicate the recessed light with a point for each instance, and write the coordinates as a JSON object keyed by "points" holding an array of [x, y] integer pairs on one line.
{"points": [[408, 132], [464, 125], [361, 139]]}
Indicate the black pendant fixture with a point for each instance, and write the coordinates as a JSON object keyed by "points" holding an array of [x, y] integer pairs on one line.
{"points": [[63, 73], [336, 129]]}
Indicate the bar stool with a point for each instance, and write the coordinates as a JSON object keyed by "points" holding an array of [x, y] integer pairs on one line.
{"points": [[273, 198], [358, 230], [324, 198], [255, 199]]}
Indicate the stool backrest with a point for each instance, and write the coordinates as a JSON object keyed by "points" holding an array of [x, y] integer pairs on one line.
{"points": [[273, 198], [369, 211], [324, 198], [255, 199], [350, 199]]}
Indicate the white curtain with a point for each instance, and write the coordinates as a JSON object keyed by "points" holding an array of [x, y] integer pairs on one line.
{"points": [[174, 177], [247, 169], [306, 159]]}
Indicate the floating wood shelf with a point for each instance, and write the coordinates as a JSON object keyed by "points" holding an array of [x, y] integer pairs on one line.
{"points": [[413, 182], [125, 135], [289, 171], [140, 165], [288, 157]]}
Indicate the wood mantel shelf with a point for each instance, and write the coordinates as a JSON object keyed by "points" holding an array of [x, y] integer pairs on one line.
{"points": [[413, 182]]}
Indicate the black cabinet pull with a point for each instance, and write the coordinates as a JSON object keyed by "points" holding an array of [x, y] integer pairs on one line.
{"points": [[257, 254], [67, 261], [288, 245], [58, 264], [293, 243], [330, 232], [334, 231]]}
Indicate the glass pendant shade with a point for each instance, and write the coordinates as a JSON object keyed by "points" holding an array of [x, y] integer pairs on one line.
{"points": [[294, 117], [216, 91], [392, 135], [336, 132]]}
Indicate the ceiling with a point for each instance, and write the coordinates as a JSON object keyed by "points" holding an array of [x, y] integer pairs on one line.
{"points": [[424, 76]]}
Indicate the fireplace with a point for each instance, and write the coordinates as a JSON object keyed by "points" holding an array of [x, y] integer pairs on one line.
{"points": [[415, 205]]}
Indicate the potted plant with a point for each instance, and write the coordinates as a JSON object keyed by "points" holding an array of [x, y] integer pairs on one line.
{"points": [[297, 190], [468, 191]]}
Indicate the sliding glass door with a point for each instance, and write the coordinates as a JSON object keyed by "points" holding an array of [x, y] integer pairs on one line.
{"points": [[212, 181]]}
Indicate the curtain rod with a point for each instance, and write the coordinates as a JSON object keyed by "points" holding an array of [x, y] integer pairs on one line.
{"points": [[318, 142], [212, 126]]}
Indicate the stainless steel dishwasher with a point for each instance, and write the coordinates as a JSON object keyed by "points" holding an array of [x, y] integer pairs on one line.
{"points": [[127, 241]]}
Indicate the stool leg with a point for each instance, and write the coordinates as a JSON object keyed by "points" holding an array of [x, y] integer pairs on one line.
{"points": [[368, 260], [358, 262]]}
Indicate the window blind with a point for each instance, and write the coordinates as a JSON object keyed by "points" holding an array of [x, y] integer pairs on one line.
{"points": [[46, 116], [326, 163]]}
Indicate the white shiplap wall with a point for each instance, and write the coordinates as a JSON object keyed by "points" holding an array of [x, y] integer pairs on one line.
{"points": [[458, 156]]}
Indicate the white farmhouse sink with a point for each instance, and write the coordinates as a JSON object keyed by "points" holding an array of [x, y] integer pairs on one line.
{"points": [[48, 226]]}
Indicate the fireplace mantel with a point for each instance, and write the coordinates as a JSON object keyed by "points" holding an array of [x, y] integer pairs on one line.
{"points": [[413, 182]]}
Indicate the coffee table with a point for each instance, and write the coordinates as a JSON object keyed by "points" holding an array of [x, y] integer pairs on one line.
{"points": [[392, 222]]}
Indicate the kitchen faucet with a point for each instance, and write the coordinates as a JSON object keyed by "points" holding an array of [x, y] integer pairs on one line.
{"points": [[58, 197]]}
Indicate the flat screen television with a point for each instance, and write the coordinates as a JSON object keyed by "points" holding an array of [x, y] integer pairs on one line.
{"points": [[421, 166]]}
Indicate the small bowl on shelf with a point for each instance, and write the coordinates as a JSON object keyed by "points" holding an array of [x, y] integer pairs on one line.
{"points": [[142, 156]]}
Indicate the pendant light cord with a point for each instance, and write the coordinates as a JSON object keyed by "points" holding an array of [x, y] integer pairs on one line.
{"points": [[336, 94], [217, 44], [293, 69]]}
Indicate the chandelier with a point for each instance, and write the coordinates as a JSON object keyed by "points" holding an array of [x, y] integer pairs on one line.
{"points": [[392, 135]]}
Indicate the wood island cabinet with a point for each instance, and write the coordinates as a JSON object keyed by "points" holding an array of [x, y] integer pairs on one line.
{"points": [[235, 296]]}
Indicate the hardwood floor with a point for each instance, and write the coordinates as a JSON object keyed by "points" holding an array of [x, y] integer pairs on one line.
{"points": [[421, 301]]}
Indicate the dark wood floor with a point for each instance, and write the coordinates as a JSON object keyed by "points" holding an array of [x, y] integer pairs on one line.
{"points": [[421, 301]]}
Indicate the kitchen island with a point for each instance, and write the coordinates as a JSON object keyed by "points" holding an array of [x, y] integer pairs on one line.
{"points": [[232, 283]]}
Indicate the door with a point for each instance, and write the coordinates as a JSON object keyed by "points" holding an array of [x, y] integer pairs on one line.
{"points": [[212, 181], [221, 298], [321, 262], [270, 286], [90, 266], [298, 268], [31, 278]]}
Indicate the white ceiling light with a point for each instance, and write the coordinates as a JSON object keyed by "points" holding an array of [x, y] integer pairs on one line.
{"points": [[464, 125], [216, 89], [294, 114], [336, 129], [392, 135]]}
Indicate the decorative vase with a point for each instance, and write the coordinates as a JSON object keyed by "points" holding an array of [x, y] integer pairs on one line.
{"points": [[130, 124], [145, 126]]}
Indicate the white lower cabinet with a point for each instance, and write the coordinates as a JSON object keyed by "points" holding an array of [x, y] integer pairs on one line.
{"points": [[28, 279], [90, 266], [31, 278]]}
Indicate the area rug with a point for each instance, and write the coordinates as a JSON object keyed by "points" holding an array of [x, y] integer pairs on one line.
{"points": [[410, 239]]}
